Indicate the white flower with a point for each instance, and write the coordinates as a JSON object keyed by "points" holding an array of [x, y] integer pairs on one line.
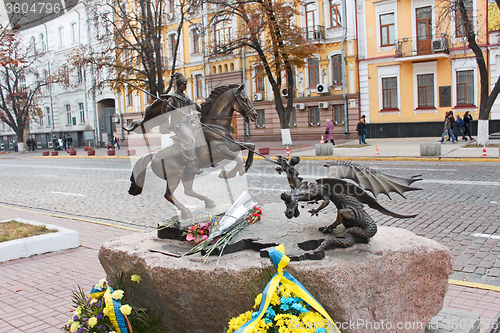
{"points": [[117, 294]]}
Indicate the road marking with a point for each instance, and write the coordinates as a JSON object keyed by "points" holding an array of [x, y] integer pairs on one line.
{"points": [[486, 236], [75, 194], [415, 169], [459, 182], [64, 168]]}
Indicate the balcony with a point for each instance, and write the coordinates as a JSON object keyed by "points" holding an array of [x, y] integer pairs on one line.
{"points": [[417, 48], [314, 33]]}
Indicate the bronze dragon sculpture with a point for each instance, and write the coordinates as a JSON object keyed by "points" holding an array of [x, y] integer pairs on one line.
{"points": [[346, 186]]}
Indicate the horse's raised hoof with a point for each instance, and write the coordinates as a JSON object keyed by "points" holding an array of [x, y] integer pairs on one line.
{"points": [[209, 203], [223, 174], [186, 215]]}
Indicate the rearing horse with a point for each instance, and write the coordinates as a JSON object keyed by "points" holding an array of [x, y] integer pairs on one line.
{"points": [[168, 163]]}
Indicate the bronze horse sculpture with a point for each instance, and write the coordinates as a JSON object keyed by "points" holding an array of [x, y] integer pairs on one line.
{"points": [[216, 113]]}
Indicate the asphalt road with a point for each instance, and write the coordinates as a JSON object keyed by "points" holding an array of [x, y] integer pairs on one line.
{"points": [[458, 206]]}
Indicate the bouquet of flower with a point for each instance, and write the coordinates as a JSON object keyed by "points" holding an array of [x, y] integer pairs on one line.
{"points": [[102, 312], [198, 232], [242, 213], [285, 306], [286, 313]]}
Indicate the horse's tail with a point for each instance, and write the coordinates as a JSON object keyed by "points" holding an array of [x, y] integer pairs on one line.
{"points": [[139, 174]]}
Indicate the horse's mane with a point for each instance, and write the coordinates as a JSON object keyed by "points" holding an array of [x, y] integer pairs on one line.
{"points": [[205, 106]]}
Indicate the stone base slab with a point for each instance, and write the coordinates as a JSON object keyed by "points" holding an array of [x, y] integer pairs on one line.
{"points": [[397, 278]]}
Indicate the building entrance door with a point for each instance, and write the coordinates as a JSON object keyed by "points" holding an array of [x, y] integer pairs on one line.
{"points": [[424, 30]]}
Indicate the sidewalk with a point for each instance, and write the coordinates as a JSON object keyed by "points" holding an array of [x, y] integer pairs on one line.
{"points": [[36, 291], [393, 148]]}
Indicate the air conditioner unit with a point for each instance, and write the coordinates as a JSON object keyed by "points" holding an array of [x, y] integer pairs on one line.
{"points": [[300, 106], [439, 45], [284, 92], [321, 88], [258, 97], [116, 119], [50, 144], [323, 105]]}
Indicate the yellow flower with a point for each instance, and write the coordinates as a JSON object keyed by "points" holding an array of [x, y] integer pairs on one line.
{"points": [[136, 278], [285, 291], [117, 294], [93, 300], [236, 322], [92, 321], [275, 299], [105, 311], [126, 309], [101, 283], [74, 327], [258, 299], [78, 311], [70, 321]]}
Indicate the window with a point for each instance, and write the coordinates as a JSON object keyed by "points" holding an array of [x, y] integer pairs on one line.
{"points": [[32, 46], [222, 32], [171, 40], [42, 43], [338, 114], [130, 101], [46, 78], [390, 93], [61, 36], [40, 121], [292, 121], [225, 68], [459, 22], [47, 112], [336, 69], [199, 85], [68, 114], [65, 74], [465, 87], [311, 20], [314, 116], [79, 73], [259, 79], [196, 41], [22, 81], [387, 29], [261, 119], [232, 67], [425, 86], [335, 10], [73, 32], [313, 66], [81, 108], [170, 6]]}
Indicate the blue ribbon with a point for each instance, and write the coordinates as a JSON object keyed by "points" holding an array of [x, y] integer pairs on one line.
{"points": [[280, 260]]}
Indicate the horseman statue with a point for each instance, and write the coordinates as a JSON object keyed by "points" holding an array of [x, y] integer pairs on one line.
{"points": [[198, 143]]}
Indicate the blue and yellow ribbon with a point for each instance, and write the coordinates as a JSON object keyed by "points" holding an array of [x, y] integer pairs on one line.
{"points": [[112, 306], [280, 260]]}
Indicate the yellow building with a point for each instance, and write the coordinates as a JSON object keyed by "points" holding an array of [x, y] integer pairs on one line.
{"points": [[326, 83], [414, 64]]}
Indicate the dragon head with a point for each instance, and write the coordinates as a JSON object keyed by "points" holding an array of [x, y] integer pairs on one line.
{"points": [[291, 202]]}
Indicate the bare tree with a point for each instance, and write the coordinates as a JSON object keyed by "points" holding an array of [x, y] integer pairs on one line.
{"points": [[268, 29], [131, 46], [20, 84]]}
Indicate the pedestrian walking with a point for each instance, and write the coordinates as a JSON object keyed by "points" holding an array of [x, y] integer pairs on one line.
{"points": [[116, 141], [459, 124], [329, 132], [467, 119], [55, 142], [64, 142], [447, 127], [28, 144], [69, 141], [361, 128], [33, 144], [452, 124]]}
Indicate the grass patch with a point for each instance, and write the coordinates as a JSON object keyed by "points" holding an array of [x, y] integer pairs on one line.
{"points": [[472, 145], [14, 230]]}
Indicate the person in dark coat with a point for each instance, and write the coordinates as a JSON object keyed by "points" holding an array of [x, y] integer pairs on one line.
{"points": [[361, 128], [69, 141], [28, 144], [33, 144], [329, 132], [55, 142], [467, 120]]}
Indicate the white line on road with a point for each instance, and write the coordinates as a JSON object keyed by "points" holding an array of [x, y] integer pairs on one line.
{"points": [[75, 194], [459, 182], [414, 169], [486, 236]]}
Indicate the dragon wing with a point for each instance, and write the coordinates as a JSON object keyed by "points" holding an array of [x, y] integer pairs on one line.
{"points": [[337, 187], [371, 179]]}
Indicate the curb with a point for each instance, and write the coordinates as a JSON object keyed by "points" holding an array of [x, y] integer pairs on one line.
{"points": [[474, 285], [396, 158]]}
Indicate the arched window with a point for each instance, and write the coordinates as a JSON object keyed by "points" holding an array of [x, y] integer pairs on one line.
{"points": [[214, 69], [225, 68], [42, 43], [220, 68], [232, 67], [32, 45]]}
